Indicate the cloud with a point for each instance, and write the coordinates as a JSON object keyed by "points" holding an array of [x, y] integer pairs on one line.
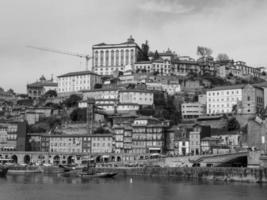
{"points": [[165, 6]]}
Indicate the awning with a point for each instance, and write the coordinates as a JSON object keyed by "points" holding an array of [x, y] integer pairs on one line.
{"points": [[155, 154], [154, 148]]}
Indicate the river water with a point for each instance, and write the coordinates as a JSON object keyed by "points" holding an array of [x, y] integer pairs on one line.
{"points": [[43, 187]]}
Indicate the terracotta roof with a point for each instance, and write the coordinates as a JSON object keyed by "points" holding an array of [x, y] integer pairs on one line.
{"points": [[42, 84], [80, 73], [228, 87]]}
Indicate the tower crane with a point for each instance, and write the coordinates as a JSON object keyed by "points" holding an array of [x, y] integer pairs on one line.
{"points": [[87, 57]]}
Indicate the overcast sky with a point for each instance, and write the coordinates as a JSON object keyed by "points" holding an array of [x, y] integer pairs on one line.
{"points": [[235, 27]]}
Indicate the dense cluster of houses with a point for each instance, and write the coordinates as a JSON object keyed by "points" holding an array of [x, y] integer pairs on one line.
{"points": [[122, 83]]}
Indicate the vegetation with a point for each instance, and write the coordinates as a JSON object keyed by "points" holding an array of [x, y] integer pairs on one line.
{"points": [[98, 86], [78, 115], [233, 124], [72, 101], [204, 51], [25, 102], [222, 57], [101, 130], [50, 93]]}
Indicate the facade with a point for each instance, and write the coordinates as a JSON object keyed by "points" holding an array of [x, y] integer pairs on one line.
{"points": [[13, 136], [148, 135], [74, 143], [108, 58], [102, 143], [40, 87], [101, 94], [182, 145], [248, 99], [122, 139], [192, 110], [160, 65], [76, 81], [195, 137], [140, 97], [171, 88], [184, 67]]}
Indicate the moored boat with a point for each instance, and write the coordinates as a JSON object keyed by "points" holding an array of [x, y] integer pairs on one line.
{"points": [[3, 170], [24, 169], [98, 175]]}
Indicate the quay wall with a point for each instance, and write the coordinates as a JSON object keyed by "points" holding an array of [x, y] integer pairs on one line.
{"points": [[215, 173]]}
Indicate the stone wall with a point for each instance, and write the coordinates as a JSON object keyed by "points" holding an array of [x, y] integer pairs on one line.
{"points": [[222, 174]]}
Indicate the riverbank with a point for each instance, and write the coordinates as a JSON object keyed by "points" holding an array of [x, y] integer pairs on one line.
{"points": [[215, 173]]}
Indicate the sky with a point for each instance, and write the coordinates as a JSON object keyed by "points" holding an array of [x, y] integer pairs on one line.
{"points": [[235, 27]]}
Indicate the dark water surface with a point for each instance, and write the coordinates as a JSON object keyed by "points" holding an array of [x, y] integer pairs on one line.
{"points": [[43, 187]]}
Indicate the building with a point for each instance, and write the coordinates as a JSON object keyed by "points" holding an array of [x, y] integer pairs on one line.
{"points": [[208, 143], [160, 66], [195, 137], [40, 87], [247, 99], [193, 110], [172, 88], [108, 58], [13, 136], [140, 97], [148, 135], [122, 138], [102, 143], [74, 82], [77, 143], [184, 67], [101, 94]]}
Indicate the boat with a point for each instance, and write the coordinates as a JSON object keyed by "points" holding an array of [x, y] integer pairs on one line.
{"points": [[90, 171], [24, 169], [3, 170], [98, 175]]}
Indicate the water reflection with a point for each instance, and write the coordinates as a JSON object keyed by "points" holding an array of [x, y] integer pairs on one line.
{"points": [[43, 187]]}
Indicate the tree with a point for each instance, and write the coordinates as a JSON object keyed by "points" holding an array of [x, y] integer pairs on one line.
{"points": [[233, 124], [156, 73], [78, 115], [263, 73], [101, 130], [98, 86], [147, 111], [11, 91], [143, 70], [51, 93], [145, 50], [222, 57], [72, 101], [204, 51], [156, 55]]}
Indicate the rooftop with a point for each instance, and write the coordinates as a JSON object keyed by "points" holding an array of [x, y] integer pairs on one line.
{"points": [[80, 73]]}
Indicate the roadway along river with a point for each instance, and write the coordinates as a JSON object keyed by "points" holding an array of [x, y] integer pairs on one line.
{"points": [[42, 187]]}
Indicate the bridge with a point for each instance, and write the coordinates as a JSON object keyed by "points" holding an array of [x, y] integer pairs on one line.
{"points": [[68, 158]]}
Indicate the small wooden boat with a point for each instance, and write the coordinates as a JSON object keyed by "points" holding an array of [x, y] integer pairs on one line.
{"points": [[20, 169], [98, 175], [3, 170]]}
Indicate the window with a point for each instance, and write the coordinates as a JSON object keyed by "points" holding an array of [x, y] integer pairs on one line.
{"points": [[248, 98]]}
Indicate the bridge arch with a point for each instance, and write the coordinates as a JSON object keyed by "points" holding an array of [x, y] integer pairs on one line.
{"points": [[56, 160], [14, 158], [27, 159], [118, 159], [70, 160]]}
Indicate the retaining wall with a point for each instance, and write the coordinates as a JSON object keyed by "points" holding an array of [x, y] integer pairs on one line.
{"points": [[214, 173]]}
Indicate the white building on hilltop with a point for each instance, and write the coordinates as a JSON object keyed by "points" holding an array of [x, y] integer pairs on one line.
{"points": [[76, 81], [108, 58]]}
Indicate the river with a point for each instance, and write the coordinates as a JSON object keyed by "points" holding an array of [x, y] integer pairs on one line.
{"points": [[43, 187]]}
